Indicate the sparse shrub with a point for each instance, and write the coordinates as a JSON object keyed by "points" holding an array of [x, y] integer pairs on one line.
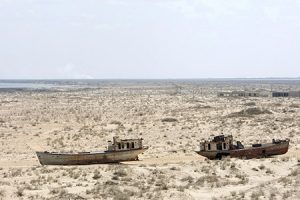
{"points": [[255, 195], [223, 166], [272, 196], [181, 188], [208, 179], [295, 172], [250, 104], [16, 172], [120, 173], [285, 181], [261, 167], [295, 106], [20, 192], [116, 122], [233, 193], [242, 194], [27, 186], [249, 112], [45, 170], [174, 168], [286, 194], [62, 193], [269, 171], [126, 179], [189, 179], [4, 183], [205, 169], [232, 166], [2, 193], [169, 119], [129, 193], [161, 184], [243, 180], [117, 194], [67, 128], [54, 191], [96, 175], [200, 107], [285, 159]]}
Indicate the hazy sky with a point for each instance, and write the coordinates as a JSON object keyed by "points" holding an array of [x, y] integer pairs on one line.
{"points": [[149, 38]]}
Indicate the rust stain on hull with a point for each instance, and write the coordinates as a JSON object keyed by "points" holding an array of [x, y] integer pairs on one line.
{"points": [[47, 158], [117, 151], [222, 146], [258, 152]]}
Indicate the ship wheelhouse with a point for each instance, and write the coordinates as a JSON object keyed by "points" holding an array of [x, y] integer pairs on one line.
{"points": [[121, 145], [218, 143]]}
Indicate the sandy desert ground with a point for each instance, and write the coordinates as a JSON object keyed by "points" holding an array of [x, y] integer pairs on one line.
{"points": [[83, 119]]}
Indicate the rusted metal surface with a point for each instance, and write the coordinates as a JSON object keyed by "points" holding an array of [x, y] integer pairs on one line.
{"points": [[256, 151], [112, 155]]}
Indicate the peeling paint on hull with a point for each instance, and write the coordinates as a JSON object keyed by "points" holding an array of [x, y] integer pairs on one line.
{"points": [[48, 158]]}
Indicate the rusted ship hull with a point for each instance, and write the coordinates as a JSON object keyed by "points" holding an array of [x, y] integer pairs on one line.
{"points": [[86, 158], [266, 150]]}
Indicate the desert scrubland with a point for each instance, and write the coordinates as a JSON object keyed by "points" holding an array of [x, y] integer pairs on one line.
{"points": [[171, 117]]}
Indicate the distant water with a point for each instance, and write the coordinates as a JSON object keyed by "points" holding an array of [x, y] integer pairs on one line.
{"points": [[96, 83], [25, 85], [38, 84]]}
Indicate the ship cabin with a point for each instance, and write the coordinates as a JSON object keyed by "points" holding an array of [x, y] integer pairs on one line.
{"points": [[121, 145], [217, 143]]}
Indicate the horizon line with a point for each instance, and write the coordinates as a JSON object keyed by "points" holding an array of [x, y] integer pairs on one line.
{"points": [[231, 78]]}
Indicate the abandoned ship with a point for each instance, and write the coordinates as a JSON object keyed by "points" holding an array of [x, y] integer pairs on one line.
{"points": [[222, 146], [117, 151]]}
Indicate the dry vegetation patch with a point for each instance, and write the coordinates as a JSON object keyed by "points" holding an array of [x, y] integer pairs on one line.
{"points": [[250, 112], [169, 119]]}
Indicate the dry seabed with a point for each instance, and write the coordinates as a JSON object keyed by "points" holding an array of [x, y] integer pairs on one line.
{"points": [[171, 122]]}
